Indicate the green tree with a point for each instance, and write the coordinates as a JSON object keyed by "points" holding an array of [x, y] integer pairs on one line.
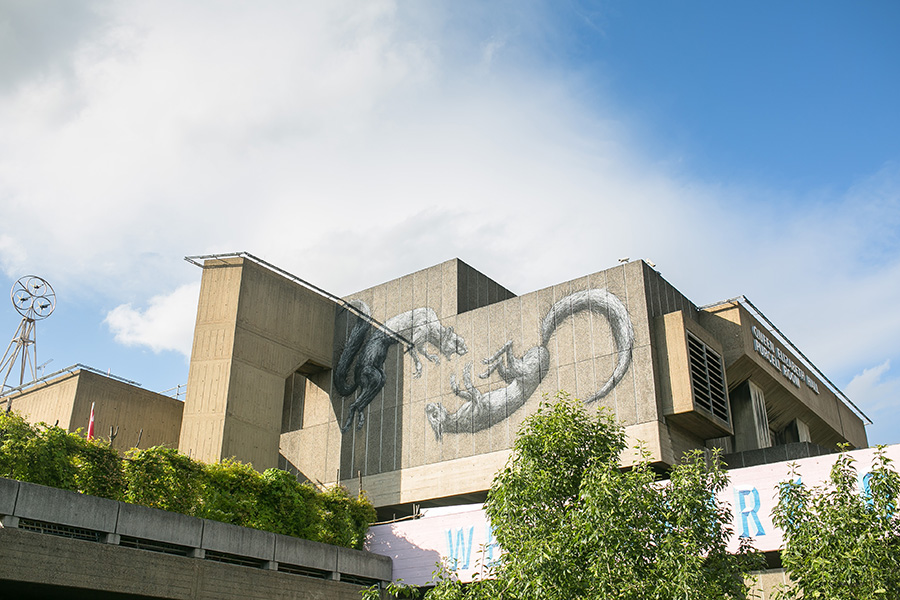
{"points": [[575, 526], [840, 542]]}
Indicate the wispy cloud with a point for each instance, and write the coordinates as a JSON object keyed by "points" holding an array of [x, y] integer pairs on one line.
{"points": [[877, 390], [166, 324], [353, 143]]}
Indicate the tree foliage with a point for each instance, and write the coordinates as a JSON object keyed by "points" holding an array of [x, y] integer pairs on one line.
{"points": [[573, 525], [163, 478], [51, 456], [842, 542]]}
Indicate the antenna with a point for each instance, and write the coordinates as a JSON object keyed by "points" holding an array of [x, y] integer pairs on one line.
{"points": [[34, 299]]}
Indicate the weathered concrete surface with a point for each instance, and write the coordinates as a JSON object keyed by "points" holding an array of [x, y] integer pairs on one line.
{"points": [[115, 519], [9, 489], [222, 537], [357, 562], [140, 417], [33, 561], [43, 503], [293, 551], [159, 525]]}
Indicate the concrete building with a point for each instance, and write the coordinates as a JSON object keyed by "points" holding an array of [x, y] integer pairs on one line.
{"points": [[135, 417], [415, 388]]}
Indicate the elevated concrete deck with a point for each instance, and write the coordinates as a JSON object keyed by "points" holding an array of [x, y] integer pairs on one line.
{"points": [[132, 551]]}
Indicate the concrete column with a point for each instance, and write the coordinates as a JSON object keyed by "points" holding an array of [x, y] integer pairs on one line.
{"points": [[254, 328], [9, 521], [748, 413]]}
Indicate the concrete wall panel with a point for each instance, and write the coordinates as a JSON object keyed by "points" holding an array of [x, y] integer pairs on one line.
{"points": [[294, 551], [49, 403], [131, 409], [362, 564], [44, 560], [242, 541], [9, 491], [152, 524], [53, 505]]}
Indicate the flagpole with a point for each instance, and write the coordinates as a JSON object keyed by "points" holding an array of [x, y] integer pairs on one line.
{"points": [[90, 432]]}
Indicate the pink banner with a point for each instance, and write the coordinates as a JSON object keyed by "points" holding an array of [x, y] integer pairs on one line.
{"points": [[461, 538]]}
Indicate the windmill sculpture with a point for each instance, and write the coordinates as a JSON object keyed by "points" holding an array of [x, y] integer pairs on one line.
{"points": [[34, 299]]}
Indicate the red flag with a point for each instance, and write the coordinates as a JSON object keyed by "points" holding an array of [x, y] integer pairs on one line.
{"points": [[90, 434]]}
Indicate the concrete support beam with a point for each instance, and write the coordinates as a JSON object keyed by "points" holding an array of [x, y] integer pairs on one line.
{"points": [[254, 329]]}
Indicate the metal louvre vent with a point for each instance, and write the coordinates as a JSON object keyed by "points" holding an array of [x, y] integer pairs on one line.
{"points": [[358, 580], [234, 559], [76, 533], [154, 546], [707, 378], [306, 571]]}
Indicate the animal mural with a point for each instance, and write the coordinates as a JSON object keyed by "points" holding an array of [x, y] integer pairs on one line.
{"points": [[366, 351], [523, 375], [369, 348]]}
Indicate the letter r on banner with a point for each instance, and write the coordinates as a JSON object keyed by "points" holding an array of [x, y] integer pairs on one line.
{"points": [[747, 501]]}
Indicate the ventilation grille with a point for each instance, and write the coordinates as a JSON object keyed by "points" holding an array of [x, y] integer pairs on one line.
{"points": [[358, 580], [233, 559], [75, 533], [154, 546], [707, 378], [306, 571]]}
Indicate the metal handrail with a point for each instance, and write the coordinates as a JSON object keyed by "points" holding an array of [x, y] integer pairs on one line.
{"points": [[194, 260], [784, 339], [70, 369]]}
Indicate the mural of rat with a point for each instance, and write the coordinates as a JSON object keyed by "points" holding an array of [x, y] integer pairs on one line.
{"points": [[369, 348], [523, 375]]}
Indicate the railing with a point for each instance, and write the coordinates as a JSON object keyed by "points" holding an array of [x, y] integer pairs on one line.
{"points": [[787, 342], [71, 369], [196, 260], [51, 511]]}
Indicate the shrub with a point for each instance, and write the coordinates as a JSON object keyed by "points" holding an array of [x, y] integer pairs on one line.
{"points": [[230, 493], [345, 519], [98, 469], [288, 506], [161, 477]]}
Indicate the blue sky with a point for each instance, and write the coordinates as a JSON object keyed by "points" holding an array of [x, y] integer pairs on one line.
{"points": [[745, 148]]}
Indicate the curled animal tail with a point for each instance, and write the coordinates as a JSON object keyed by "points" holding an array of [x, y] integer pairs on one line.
{"points": [[351, 349], [601, 302]]}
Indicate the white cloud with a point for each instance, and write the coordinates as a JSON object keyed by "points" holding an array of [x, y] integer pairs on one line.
{"points": [[351, 143], [876, 390], [13, 256], [166, 324]]}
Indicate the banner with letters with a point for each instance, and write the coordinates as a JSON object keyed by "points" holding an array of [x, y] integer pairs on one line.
{"points": [[460, 537]]}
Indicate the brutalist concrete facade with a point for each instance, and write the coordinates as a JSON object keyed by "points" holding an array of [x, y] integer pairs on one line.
{"points": [[104, 548], [136, 418], [414, 389]]}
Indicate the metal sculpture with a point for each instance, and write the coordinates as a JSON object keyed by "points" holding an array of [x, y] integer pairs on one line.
{"points": [[34, 299]]}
